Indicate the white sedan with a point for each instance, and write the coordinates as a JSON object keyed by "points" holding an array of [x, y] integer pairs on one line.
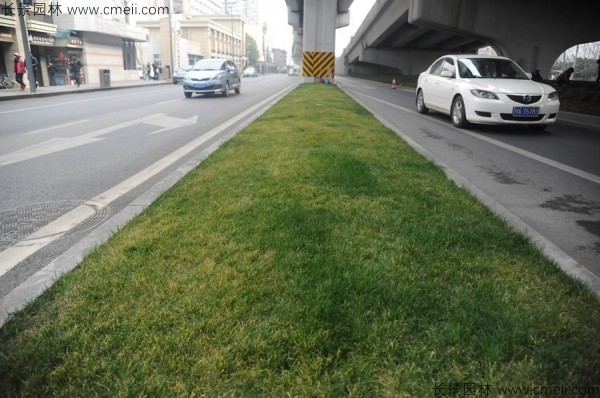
{"points": [[486, 90]]}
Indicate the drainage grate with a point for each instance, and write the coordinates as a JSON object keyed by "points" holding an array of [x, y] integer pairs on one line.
{"points": [[17, 224]]}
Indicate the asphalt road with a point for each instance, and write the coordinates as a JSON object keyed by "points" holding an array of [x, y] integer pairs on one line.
{"points": [[72, 163], [548, 180]]}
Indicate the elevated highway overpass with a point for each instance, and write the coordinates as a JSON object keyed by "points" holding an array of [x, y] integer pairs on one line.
{"points": [[409, 34]]}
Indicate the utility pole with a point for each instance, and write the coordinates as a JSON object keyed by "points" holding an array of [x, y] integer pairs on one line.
{"points": [[170, 39], [25, 39]]}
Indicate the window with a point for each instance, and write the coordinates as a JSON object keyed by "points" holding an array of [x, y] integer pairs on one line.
{"points": [[448, 66], [436, 68], [129, 62]]}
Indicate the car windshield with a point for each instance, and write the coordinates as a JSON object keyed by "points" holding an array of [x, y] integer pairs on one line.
{"points": [[209, 64], [490, 68]]}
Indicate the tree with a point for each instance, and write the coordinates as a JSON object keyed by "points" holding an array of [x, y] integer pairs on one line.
{"points": [[251, 50], [582, 58]]}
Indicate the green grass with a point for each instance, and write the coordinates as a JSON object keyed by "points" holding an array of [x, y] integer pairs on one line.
{"points": [[315, 254]]}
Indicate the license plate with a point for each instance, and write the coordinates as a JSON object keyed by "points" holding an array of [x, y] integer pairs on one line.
{"points": [[199, 85], [520, 111]]}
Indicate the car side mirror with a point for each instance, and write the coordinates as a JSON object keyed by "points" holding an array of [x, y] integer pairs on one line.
{"points": [[447, 73]]}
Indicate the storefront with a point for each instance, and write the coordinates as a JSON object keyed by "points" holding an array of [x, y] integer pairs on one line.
{"points": [[58, 56], [41, 44], [7, 38]]}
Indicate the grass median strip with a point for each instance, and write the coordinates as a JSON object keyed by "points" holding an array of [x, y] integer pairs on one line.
{"points": [[315, 254]]}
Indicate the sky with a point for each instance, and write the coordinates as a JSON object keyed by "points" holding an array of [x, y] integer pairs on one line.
{"points": [[275, 15]]}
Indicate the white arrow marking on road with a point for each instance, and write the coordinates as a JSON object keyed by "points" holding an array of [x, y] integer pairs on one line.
{"points": [[168, 122], [60, 144], [12, 256]]}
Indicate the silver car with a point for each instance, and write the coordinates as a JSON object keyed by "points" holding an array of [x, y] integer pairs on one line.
{"points": [[212, 76], [180, 74]]}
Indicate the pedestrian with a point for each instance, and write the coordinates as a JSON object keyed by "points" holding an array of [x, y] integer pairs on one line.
{"points": [[74, 67], [565, 77], [149, 71], [536, 77], [19, 70], [34, 67], [52, 71], [155, 70], [598, 77]]}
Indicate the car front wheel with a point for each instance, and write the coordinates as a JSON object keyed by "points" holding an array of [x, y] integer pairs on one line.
{"points": [[421, 108], [226, 91], [188, 95], [459, 118], [238, 88]]}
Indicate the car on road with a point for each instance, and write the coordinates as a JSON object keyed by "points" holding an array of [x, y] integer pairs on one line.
{"points": [[485, 90], [212, 76], [250, 72], [293, 72], [180, 74]]}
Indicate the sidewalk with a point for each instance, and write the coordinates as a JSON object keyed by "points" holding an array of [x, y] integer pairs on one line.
{"points": [[17, 93]]}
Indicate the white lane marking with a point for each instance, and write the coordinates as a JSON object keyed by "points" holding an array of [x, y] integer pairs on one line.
{"points": [[56, 127], [568, 169], [60, 144], [13, 255], [167, 102]]}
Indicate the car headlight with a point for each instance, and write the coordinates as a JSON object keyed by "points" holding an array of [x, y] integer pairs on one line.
{"points": [[484, 94], [218, 76], [553, 96]]}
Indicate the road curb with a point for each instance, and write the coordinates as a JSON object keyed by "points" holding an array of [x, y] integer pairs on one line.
{"points": [[579, 118]]}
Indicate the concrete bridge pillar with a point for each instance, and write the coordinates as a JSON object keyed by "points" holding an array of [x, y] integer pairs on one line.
{"points": [[320, 21]]}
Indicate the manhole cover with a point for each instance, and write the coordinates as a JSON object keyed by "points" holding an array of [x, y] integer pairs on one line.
{"points": [[17, 224]]}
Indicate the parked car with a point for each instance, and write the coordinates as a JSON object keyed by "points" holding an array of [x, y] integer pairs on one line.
{"points": [[250, 72], [486, 90], [212, 76], [180, 74], [292, 72]]}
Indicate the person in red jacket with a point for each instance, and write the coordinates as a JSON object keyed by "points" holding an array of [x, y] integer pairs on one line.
{"points": [[19, 70]]}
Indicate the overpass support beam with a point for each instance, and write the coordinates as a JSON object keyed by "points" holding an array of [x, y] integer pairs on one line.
{"points": [[370, 60], [533, 33], [408, 62], [320, 20]]}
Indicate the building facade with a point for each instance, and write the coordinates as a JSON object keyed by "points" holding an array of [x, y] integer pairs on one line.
{"points": [[54, 36], [196, 37]]}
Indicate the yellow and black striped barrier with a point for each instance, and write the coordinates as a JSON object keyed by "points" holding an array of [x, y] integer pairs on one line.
{"points": [[317, 64]]}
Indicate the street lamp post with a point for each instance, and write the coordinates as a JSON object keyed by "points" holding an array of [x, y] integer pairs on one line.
{"points": [[227, 11]]}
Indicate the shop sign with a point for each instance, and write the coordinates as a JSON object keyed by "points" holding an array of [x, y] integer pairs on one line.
{"points": [[41, 39]]}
